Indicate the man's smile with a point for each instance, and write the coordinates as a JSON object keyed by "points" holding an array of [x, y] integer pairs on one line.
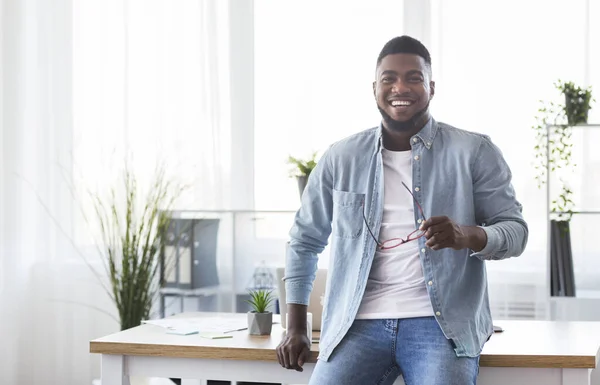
{"points": [[400, 104]]}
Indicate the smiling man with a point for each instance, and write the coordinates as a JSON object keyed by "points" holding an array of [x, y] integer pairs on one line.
{"points": [[414, 208]]}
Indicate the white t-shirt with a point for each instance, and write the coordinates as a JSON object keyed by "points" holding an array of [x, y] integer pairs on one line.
{"points": [[396, 286]]}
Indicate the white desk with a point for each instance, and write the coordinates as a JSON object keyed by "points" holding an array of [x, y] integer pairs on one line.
{"points": [[526, 353]]}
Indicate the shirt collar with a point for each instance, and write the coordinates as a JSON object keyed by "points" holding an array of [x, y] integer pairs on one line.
{"points": [[426, 135]]}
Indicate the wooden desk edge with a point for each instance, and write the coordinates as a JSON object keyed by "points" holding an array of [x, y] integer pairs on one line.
{"points": [[538, 361], [206, 352], [247, 354]]}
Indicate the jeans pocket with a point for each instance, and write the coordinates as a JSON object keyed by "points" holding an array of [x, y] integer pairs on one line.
{"points": [[347, 214]]}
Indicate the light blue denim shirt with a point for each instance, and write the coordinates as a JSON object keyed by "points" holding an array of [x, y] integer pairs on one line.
{"points": [[456, 173]]}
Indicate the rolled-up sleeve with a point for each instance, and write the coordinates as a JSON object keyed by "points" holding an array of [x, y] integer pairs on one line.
{"points": [[497, 209], [310, 232]]}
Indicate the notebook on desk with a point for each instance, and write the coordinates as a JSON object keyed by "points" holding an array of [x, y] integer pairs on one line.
{"points": [[315, 302]]}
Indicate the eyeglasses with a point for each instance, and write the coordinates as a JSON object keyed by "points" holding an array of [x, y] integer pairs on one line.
{"points": [[395, 242]]}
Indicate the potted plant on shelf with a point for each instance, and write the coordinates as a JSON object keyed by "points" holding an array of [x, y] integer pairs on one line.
{"points": [[553, 152], [301, 169], [577, 102], [260, 319]]}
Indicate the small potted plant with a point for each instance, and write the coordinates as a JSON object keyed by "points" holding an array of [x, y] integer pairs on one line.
{"points": [[302, 169], [577, 101], [260, 320]]}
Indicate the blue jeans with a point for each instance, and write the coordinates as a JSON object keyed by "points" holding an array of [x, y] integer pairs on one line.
{"points": [[376, 352]]}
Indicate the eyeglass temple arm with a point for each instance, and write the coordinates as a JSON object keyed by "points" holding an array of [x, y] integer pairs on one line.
{"points": [[368, 227], [415, 199]]}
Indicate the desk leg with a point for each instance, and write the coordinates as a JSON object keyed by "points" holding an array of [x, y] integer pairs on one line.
{"points": [[576, 376], [113, 370]]}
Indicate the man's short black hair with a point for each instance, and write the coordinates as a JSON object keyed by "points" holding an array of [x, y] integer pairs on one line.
{"points": [[405, 44]]}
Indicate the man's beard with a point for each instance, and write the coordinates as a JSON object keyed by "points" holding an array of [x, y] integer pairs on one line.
{"points": [[415, 122]]}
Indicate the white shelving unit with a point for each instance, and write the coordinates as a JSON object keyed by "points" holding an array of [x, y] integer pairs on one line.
{"points": [[247, 240], [585, 305]]}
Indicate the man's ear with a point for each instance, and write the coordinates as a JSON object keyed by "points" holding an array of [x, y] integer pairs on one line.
{"points": [[374, 88], [432, 88]]}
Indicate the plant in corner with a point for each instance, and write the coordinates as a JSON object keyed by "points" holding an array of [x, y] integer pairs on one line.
{"points": [[553, 152], [553, 146], [577, 102], [260, 319], [301, 169], [132, 229]]}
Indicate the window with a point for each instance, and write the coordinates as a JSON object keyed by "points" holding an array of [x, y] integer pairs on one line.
{"points": [[314, 65], [493, 62]]}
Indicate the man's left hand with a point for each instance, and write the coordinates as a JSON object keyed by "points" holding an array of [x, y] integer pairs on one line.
{"points": [[442, 232]]}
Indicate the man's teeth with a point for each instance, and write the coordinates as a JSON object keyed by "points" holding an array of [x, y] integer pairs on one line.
{"points": [[396, 103]]}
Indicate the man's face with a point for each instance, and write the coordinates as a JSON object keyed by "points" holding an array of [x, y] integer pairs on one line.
{"points": [[403, 89]]}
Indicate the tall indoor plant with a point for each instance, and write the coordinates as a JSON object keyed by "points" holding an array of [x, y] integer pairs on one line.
{"points": [[301, 169], [132, 225], [553, 154]]}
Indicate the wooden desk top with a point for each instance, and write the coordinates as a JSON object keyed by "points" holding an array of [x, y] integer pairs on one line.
{"points": [[534, 344]]}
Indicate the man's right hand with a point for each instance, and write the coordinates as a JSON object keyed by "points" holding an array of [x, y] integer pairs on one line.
{"points": [[294, 350]]}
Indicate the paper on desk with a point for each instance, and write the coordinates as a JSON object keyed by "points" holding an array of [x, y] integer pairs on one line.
{"points": [[201, 324], [215, 336], [182, 332]]}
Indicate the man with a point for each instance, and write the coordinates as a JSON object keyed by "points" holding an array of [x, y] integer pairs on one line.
{"points": [[414, 207]]}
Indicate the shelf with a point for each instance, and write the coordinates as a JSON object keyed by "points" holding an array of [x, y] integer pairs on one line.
{"points": [[192, 212], [201, 292], [573, 125], [580, 294], [572, 263]]}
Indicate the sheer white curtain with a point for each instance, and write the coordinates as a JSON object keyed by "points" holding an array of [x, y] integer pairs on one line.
{"points": [[36, 132], [151, 83], [84, 86]]}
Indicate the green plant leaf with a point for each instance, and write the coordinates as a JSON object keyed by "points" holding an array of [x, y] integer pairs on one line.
{"points": [[302, 167], [260, 300], [553, 142]]}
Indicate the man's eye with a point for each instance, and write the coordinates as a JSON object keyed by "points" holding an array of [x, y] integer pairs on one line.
{"points": [[387, 80], [415, 80]]}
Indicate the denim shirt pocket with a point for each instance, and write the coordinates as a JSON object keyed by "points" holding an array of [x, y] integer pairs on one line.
{"points": [[347, 214]]}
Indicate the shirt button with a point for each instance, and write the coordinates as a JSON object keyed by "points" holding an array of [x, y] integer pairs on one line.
{"points": [[415, 140], [422, 250], [428, 143], [417, 157], [430, 283], [417, 189], [438, 313], [419, 220]]}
